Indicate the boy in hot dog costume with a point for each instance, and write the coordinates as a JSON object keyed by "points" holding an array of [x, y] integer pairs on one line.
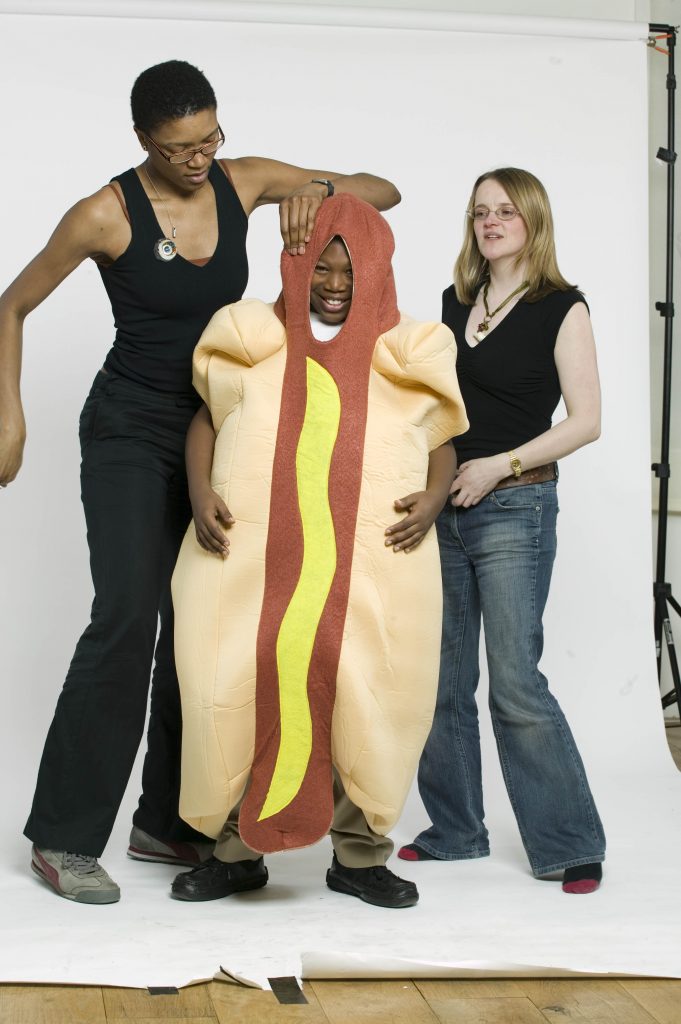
{"points": [[308, 658]]}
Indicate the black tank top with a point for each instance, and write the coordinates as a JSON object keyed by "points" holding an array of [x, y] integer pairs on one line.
{"points": [[160, 309], [509, 381]]}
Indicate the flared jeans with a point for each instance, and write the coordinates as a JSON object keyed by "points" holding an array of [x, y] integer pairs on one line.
{"points": [[497, 559]]}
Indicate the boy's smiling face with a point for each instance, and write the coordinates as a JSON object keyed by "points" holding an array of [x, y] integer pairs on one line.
{"points": [[331, 288]]}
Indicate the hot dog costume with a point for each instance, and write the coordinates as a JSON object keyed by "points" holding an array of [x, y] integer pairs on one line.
{"points": [[313, 644]]}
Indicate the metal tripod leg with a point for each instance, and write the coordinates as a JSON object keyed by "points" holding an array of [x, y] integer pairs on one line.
{"points": [[664, 626], [662, 592]]}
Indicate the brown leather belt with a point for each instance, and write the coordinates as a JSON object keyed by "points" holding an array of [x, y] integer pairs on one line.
{"points": [[539, 475]]}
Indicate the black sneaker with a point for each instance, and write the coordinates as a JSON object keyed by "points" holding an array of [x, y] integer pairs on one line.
{"points": [[378, 886], [214, 879]]}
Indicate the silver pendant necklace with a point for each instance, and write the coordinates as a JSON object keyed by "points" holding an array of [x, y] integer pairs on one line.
{"points": [[165, 248]]}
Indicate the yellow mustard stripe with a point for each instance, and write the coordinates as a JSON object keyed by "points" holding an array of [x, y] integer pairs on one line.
{"points": [[301, 619]]}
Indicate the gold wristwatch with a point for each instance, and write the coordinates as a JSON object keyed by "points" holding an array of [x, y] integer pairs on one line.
{"points": [[516, 465]]}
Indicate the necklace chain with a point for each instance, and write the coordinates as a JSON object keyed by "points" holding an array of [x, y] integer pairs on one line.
{"points": [[483, 326], [162, 200]]}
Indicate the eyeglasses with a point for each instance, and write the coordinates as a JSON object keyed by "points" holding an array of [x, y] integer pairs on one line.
{"points": [[188, 154], [483, 212]]}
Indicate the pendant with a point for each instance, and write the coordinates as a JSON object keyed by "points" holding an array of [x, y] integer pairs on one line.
{"points": [[481, 331], [165, 250]]}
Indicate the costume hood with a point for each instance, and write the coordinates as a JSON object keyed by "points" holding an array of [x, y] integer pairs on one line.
{"points": [[370, 242]]}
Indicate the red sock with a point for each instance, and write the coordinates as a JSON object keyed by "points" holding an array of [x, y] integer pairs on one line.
{"points": [[414, 852], [582, 879]]}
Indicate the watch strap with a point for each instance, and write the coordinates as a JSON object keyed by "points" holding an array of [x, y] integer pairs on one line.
{"points": [[324, 181], [516, 464]]}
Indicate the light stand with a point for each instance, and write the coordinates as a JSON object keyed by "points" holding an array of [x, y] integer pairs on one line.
{"points": [[662, 591]]}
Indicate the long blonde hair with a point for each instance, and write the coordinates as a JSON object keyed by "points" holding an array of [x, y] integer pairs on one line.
{"points": [[529, 197]]}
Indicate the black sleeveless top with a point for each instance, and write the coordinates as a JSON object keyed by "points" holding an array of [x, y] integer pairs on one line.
{"points": [[509, 381], [160, 309]]}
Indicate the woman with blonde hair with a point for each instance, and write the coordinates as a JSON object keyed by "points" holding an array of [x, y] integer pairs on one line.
{"points": [[524, 338]]}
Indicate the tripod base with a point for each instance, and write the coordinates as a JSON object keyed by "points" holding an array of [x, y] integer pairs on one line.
{"points": [[663, 598]]}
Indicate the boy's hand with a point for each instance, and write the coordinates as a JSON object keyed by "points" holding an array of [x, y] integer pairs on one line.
{"points": [[211, 519], [423, 508]]}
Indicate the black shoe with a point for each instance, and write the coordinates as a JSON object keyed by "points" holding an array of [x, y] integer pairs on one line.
{"points": [[214, 879], [378, 886]]}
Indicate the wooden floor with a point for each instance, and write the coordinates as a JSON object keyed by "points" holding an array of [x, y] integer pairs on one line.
{"points": [[526, 1001]]}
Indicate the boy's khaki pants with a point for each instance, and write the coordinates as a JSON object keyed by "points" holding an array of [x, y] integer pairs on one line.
{"points": [[355, 844]]}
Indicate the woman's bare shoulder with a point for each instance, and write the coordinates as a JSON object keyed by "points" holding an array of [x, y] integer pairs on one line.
{"points": [[96, 224]]}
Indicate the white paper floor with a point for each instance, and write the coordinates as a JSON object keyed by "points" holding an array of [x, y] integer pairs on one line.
{"points": [[488, 915]]}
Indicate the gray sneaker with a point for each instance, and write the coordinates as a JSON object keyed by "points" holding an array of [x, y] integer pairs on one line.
{"points": [[165, 851], [74, 876]]}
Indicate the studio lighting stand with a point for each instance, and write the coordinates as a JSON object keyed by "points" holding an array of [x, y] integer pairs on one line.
{"points": [[662, 591]]}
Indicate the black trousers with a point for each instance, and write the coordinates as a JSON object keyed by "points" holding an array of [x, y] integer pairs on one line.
{"points": [[134, 492]]}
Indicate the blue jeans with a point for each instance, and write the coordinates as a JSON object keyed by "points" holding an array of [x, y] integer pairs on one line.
{"points": [[496, 560]]}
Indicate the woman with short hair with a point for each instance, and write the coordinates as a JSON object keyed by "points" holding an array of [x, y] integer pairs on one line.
{"points": [[169, 238]]}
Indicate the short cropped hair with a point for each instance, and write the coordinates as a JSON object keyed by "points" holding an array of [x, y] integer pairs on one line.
{"points": [[167, 91]]}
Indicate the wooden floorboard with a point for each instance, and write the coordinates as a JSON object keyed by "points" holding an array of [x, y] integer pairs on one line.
{"points": [[232, 1004], [492, 1001], [661, 997], [487, 988], [373, 1002], [191, 1003], [449, 1003], [154, 1020], [51, 1004], [588, 999]]}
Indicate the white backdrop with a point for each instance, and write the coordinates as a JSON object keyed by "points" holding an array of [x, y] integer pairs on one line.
{"points": [[430, 110]]}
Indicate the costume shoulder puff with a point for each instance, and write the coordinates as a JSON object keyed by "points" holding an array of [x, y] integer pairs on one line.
{"points": [[421, 356], [237, 337]]}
